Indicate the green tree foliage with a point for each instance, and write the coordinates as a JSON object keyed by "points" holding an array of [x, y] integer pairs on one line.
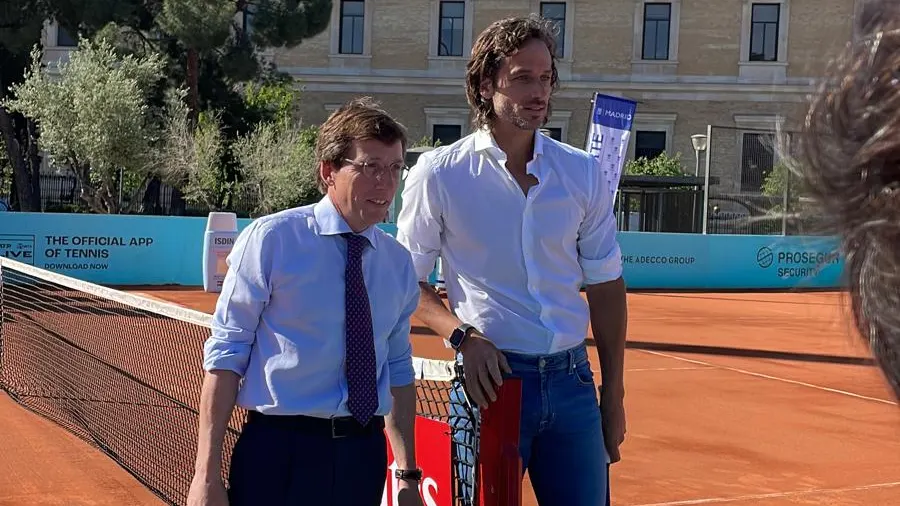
{"points": [[214, 171], [776, 181], [661, 165], [425, 142], [198, 24], [95, 117], [209, 47], [272, 101], [192, 158], [279, 165], [21, 22]]}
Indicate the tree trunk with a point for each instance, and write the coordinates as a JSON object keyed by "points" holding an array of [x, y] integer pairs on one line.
{"points": [[33, 162], [193, 79], [151, 197], [179, 206], [26, 173], [88, 193]]}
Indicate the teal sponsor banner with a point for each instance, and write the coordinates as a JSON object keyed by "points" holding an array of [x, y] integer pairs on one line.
{"points": [[720, 262], [108, 249], [163, 250]]}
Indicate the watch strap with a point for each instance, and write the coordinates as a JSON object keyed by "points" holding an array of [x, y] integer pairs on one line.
{"points": [[408, 474]]}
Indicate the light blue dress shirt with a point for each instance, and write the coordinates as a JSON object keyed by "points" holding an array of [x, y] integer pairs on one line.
{"points": [[279, 321]]}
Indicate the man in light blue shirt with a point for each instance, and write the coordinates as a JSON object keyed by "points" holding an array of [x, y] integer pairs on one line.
{"points": [[314, 318]]}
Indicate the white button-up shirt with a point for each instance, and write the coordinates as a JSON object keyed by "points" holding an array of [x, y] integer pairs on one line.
{"points": [[513, 265]]}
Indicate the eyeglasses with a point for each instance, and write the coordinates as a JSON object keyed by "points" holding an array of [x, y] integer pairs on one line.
{"points": [[376, 170]]}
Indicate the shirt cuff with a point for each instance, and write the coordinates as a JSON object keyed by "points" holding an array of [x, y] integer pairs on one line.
{"points": [[226, 355], [602, 270], [401, 371], [424, 264]]}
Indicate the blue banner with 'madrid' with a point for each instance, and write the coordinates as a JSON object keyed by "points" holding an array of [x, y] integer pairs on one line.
{"points": [[608, 135]]}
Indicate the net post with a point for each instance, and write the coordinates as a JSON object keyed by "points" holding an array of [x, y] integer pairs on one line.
{"points": [[500, 464], [2, 317]]}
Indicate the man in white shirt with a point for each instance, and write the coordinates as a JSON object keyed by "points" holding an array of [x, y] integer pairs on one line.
{"points": [[521, 223], [311, 336]]}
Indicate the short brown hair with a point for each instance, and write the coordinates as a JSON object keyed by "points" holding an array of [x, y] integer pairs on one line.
{"points": [[359, 119], [850, 166], [498, 41]]}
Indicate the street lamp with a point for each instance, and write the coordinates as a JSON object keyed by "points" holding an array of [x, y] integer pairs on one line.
{"points": [[699, 143]]}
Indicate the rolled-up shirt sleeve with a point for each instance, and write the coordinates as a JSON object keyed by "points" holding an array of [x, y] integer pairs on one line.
{"points": [[400, 363], [598, 249], [419, 223], [245, 292]]}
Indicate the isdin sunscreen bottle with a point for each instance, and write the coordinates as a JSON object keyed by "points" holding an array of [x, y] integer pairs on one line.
{"points": [[221, 231]]}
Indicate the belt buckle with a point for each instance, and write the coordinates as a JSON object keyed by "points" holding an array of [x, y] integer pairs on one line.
{"points": [[335, 432]]}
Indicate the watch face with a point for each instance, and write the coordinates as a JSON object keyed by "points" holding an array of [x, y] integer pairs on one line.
{"points": [[456, 337]]}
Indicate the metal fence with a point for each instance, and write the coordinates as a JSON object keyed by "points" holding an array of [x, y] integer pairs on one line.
{"points": [[751, 189], [743, 187], [60, 193]]}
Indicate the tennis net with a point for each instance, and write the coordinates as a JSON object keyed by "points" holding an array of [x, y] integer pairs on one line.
{"points": [[123, 372]]}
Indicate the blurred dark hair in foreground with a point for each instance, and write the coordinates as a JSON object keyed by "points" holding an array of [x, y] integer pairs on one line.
{"points": [[849, 164]]}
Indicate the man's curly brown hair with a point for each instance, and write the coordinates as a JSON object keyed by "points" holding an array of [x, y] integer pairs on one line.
{"points": [[850, 165], [499, 40]]}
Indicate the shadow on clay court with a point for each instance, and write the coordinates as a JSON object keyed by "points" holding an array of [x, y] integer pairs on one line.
{"points": [[720, 350], [748, 353], [704, 295]]}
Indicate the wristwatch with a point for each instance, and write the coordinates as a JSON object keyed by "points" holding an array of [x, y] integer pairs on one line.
{"points": [[459, 335], [408, 474]]}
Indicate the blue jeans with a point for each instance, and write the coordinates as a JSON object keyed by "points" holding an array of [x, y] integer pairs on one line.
{"points": [[561, 436]]}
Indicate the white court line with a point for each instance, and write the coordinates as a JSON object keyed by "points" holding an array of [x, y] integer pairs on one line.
{"points": [[775, 495], [668, 318], [766, 376], [645, 369]]}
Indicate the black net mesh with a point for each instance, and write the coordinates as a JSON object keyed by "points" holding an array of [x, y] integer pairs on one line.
{"points": [[124, 373]]}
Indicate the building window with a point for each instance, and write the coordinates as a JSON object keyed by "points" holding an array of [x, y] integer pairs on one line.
{"points": [[757, 160], [63, 39], [657, 23], [446, 124], [764, 32], [446, 134], [352, 27], [452, 22], [554, 133], [247, 21], [649, 144], [556, 12]]}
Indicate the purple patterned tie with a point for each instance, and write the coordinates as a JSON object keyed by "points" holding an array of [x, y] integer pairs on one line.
{"points": [[361, 382]]}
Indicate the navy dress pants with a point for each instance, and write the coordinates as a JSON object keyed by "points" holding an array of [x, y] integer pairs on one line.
{"points": [[281, 461]]}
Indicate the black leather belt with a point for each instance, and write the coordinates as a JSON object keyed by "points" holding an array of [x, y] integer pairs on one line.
{"points": [[331, 427]]}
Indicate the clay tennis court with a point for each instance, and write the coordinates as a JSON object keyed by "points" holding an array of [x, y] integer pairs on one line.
{"points": [[740, 399]]}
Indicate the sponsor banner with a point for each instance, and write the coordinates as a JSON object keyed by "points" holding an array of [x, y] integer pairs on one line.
{"points": [[160, 250], [434, 458], [608, 134], [109, 249], [694, 261]]}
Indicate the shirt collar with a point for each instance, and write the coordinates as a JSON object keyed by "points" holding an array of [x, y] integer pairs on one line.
{"points": [[330, 221], [484, 141]]}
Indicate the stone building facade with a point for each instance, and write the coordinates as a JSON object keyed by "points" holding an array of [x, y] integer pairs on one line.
{"points": [[733, 68], [738, 66]]}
